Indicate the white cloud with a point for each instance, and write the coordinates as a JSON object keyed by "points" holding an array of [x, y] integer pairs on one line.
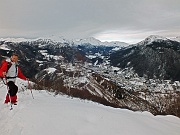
{"points": [[115, 19]]}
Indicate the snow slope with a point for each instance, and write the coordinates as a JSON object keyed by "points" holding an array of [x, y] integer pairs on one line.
{"points": [[59, 115]]}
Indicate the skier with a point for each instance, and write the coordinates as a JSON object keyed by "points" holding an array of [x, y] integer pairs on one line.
{"points": [[10, 70]]}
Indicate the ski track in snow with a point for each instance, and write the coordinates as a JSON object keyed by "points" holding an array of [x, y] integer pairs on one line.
{"points": [[54, 115]]}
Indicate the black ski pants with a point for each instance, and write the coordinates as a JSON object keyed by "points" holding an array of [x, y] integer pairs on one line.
{"points": [[13, 89]]}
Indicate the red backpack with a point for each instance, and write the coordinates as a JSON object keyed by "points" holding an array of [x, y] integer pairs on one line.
{"points": [[8, 65]]}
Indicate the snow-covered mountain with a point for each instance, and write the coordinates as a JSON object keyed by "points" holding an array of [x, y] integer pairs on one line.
{"points": [[176, 39], [96, 42], [86, 41], [152, 38], [15, 40], [154, 57]]}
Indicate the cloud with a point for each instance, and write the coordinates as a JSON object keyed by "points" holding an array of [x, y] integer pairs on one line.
{"points": [[85, 18], [128, 36]]}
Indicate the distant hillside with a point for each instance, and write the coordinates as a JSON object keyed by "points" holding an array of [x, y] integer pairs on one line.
{"points": [[154, 57]]}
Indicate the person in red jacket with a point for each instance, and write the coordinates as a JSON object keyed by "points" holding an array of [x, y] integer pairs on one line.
{"points": [[10, 71]]}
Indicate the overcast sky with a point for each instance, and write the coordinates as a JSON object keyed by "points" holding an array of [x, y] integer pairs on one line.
{"points": [[123, 20]]}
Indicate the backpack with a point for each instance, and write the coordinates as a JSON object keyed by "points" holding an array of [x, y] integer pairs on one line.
{"points": [[2, 62], [8, 65]]}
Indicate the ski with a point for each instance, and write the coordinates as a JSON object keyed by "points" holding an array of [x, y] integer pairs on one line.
{"points": [[11, 107]]}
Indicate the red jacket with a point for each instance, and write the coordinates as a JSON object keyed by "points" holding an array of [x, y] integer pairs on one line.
{"points": [[4, 68]]}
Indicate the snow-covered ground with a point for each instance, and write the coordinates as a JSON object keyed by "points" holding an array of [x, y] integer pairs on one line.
{"points": [[59, 115]]}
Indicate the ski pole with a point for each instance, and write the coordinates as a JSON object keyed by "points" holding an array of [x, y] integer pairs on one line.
{"points": [[30, 89], [8, 94]]}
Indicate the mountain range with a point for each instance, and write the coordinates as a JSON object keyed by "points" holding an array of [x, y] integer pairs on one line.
{"points": [[111, 73]]}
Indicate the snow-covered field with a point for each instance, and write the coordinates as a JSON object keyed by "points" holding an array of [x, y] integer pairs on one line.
{"points": [[59, 115]]}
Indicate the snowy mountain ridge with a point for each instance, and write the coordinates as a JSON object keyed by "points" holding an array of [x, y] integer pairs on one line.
{"points": [[90, 40], [16, 40], [61, 39], [96, 42], [152, 38], [176, 39]]}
